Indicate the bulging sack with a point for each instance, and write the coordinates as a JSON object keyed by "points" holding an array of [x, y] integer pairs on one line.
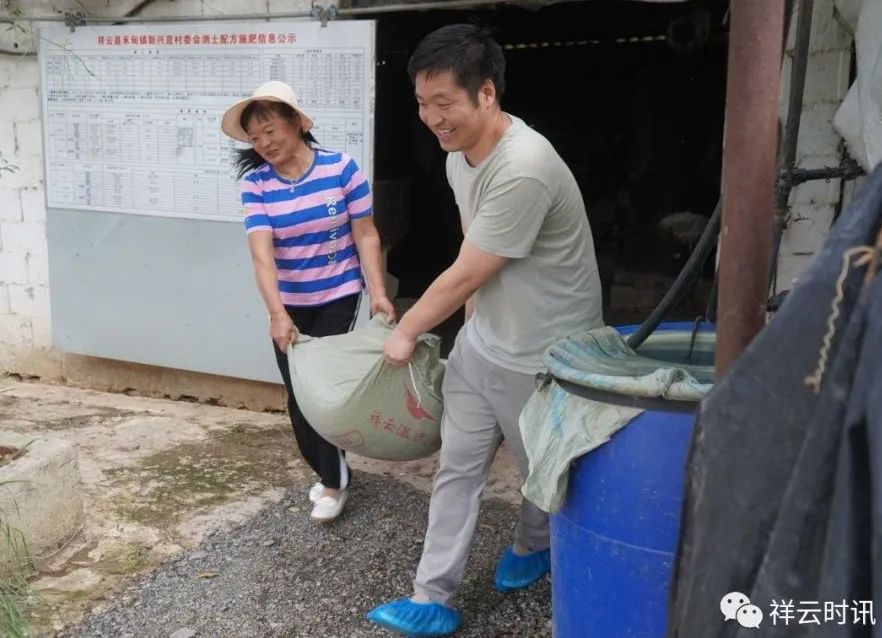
{"points": [[360, 403]]}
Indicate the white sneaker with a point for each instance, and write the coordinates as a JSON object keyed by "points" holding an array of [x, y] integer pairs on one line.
{"points": [[327, 508], [315, 492]]}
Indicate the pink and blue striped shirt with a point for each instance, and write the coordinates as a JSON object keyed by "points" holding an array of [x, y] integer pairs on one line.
{"points": [[309, 218]]}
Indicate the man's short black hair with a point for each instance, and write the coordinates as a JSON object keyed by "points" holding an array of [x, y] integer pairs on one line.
{"points": [[466, 50]]}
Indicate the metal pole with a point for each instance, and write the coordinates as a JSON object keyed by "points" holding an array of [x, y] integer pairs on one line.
{"points": [[788, 14], [797, 82], [791, 133], [750, 141]]}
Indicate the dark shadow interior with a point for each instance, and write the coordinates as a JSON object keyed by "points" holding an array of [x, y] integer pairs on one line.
{"points": [[632, 96]]}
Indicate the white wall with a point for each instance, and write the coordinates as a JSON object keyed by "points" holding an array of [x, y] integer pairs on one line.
{"points": [[25, 327], [24, 266], [813, 204]]}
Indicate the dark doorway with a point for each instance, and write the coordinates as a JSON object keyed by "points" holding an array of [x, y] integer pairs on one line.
{"points": [[631, 94]]}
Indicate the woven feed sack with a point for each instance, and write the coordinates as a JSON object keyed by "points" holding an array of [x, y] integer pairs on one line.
{"points": [[360, 403]]}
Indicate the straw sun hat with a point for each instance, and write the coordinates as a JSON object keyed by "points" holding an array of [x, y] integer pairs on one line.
{"points": [[273, 91]]}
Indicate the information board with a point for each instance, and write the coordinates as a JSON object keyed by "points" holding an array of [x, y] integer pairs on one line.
{"points": [[132, 113]]}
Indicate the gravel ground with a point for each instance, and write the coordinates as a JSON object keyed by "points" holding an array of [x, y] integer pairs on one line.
{"points": [[278, 574]]}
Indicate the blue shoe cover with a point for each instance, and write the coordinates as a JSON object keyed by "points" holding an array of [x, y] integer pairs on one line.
{"points": [[416, 619], [517, 572]]}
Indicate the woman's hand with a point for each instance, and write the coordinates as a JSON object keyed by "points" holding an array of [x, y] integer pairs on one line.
{"points": [[381, 303], [367, 242], [282, 330]]}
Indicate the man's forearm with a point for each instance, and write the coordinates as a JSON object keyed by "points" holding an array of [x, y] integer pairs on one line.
{"points": [[445, 296]]}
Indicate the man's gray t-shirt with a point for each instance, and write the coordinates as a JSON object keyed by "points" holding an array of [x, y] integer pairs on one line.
{"points": [[522, 202]]}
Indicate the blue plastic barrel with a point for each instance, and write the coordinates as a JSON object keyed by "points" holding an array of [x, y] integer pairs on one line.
{"points": [[613, 543]]}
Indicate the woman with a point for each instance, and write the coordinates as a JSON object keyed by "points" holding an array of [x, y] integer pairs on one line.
{"points": [[311, 235]]}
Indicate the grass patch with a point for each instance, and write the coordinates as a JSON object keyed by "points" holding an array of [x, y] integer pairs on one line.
{"points": [[14, 594], [15, 565], [164, 487], [130, 558], [54, 607]]}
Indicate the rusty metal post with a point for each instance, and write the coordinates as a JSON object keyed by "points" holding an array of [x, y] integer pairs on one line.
{"points": [[750, 141]]}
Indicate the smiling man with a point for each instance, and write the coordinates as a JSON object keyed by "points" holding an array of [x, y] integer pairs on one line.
{"points": [[527, 275]]}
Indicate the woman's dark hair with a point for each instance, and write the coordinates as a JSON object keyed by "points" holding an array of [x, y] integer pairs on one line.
{"points": [[248, 159], [466, 50]]}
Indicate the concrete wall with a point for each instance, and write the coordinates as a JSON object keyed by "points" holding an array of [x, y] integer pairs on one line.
{"points": [[25, 328], [813, 204]]}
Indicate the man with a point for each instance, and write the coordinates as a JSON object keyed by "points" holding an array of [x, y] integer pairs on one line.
{"points": [[527, 274]]}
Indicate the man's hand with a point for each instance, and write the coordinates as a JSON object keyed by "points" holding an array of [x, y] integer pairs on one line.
{"points": [[282, 330], [399, 348], [381, 303]]}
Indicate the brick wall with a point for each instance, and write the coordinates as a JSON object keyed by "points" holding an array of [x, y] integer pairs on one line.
{"points": [[813, 204], [24, 265]]}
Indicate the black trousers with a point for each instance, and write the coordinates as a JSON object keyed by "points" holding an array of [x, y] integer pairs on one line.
{"points": [[336, 317]]}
